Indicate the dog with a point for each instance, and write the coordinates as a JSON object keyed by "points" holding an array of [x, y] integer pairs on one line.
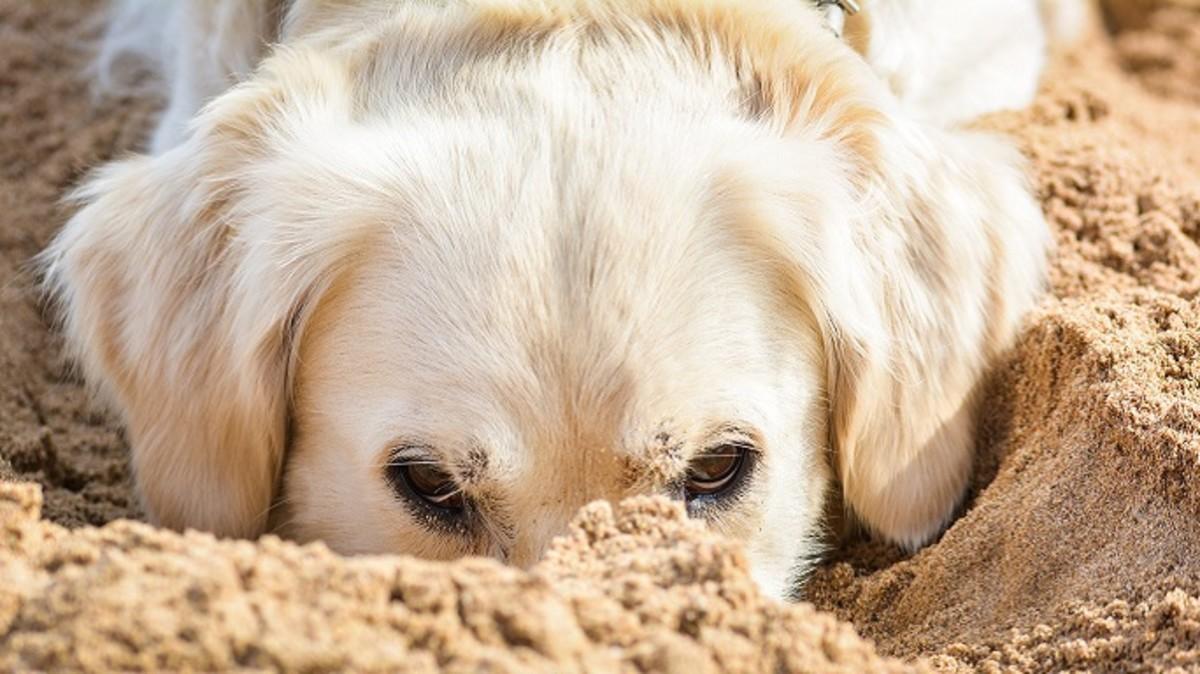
{"points": [[426, 277]]}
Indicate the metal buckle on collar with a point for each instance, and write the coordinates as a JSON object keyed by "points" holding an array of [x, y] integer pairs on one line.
{"points": [[836, 11]]}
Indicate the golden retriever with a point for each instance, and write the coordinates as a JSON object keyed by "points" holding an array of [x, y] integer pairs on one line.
{"points": [[426, 277]]}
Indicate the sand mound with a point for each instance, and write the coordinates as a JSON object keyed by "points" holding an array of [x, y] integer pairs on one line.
{"points": [[641, 589], [1079, 547]]}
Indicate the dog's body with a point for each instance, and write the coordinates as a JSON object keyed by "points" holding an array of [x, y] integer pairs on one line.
{"points": [[558, 251], [948, 61]]}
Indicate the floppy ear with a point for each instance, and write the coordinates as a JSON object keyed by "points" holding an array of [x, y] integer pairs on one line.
{"points": [[913, 253], [946, 253], [180, 296], [913, 250], [147, 277]]}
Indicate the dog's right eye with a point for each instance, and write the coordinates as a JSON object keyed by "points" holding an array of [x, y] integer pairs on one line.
{"points": [[424, 481], [714, 472]]}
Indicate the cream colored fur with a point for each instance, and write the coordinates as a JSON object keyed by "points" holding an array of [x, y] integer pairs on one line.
{"points": [[564, 246]]}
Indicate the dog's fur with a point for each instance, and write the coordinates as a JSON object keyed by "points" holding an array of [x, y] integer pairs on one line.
{"points": [[563, 246]]}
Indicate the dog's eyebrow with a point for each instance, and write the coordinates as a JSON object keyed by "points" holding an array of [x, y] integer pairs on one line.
{"points": [[407, 447], [735, 432]]}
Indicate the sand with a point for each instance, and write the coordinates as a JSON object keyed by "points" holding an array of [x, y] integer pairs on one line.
{"points": [[1078, 547]]}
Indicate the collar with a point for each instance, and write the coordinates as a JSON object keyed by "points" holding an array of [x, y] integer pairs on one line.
{"points": [[836, 11]]}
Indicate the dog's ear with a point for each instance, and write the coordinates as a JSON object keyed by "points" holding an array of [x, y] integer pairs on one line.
{"points": [[947, 253], [913, 251], [914, 254], [147, 274], [181, 294]]}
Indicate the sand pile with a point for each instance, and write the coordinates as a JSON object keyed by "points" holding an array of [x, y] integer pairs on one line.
{"points": [[1079, 547], [641, 589]]}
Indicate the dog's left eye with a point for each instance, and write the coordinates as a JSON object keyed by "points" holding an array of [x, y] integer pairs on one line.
{"points": [[424, 481], [716, 471]]}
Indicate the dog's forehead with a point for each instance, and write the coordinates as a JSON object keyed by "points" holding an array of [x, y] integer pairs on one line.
{"points": [[548, 280], [603, 307]]}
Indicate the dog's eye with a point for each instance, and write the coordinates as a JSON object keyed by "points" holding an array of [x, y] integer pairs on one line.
{"points": [[716, 471], [424, 480]]}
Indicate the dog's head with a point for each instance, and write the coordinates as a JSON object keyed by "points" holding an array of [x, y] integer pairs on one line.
{"points": [[432, 289]]}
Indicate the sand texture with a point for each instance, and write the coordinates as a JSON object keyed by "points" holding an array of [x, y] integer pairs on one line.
{"points": [[1077, 549]]}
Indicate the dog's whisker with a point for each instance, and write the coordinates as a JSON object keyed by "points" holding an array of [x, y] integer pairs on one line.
{"points": [[392, 464], [275, 504]]}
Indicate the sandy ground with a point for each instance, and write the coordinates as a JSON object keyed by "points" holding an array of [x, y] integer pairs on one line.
{"points": [[1079, 547]]}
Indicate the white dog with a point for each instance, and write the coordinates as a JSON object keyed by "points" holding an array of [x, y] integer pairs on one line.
{"points": [[425, 277]]}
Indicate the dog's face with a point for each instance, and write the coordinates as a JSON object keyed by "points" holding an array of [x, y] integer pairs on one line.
{"points": [[431, 287], [541, 320]]}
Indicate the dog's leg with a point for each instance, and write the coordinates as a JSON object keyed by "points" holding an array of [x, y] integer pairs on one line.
{"points": [[198, 47], [954, 61]]}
